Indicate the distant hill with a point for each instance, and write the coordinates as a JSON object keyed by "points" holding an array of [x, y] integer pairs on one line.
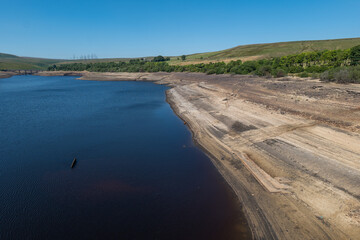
{"points": [[268, 50], [4, 55], [244, 52], [12, 62]]}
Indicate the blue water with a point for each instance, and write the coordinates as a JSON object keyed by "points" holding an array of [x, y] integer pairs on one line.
{"points": [[138, 174]]}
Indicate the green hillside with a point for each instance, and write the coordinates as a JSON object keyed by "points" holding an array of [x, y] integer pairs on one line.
{"points": [[12, 62], [268, 50], [4, 55], [245, 52], [101, 60]]}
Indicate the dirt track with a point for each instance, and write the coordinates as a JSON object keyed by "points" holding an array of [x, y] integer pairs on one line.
{"points": [[289, 148]]}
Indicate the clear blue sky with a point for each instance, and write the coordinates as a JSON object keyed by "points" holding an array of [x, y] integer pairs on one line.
{"points": [[109, 28]]}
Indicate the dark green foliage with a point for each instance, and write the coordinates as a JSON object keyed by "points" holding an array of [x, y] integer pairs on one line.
{"points": [[183, 57], [264, 70], [160, 59], [304, 65], [52, 68], [354, 55], [304, 75]]}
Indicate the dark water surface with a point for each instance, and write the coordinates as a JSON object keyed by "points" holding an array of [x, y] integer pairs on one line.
{"points": [[138, 174]]}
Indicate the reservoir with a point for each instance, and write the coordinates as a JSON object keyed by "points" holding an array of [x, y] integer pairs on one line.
{"points": [[138, 174]]}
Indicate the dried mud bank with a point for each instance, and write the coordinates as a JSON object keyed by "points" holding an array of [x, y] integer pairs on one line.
{"points": [[289, 148], [7, 74]]}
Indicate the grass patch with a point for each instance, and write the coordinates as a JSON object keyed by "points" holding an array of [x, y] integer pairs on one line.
{"points": [[270, 50]]}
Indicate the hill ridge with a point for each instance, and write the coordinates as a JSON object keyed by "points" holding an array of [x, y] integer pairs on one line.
{"points": [[241, 52]]}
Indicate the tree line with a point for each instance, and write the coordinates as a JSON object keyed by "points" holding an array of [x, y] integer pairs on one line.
{"points": [[303, 64]]}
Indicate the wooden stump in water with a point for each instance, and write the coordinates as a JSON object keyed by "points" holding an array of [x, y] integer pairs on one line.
{"points": [[73, 163]]}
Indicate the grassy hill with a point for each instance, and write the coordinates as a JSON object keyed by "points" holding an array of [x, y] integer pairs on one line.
{"points": [[101, 60], [12, 62], [244, 52], [268, 50]]}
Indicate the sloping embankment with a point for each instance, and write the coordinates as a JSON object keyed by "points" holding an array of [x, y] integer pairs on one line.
{"points": [[297, 178]]}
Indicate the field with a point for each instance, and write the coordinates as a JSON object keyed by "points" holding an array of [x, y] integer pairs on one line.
{"points": [[268, 50], [12, 62]]}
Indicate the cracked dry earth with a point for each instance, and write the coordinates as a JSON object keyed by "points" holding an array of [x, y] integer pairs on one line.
{"points": [[290, 149]]}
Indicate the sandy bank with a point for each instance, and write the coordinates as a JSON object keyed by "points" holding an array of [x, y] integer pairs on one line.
{"points": [[7, 74], [289, 148]]}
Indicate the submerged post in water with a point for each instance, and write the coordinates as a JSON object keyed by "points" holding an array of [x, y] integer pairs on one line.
{"points": [[73, 163]]}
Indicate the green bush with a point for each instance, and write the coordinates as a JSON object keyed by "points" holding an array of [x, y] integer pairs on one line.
{"points": [[342, 75], [315, 75], [303, 75], [354, 55], [156, 59], [278, 72], [212, 71], [355, 74], [263, 70]]}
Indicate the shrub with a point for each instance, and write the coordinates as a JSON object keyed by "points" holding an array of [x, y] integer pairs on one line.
{"points": [[355, 74], [325, 76], [315, 75], [263, 70], [248, 67], [342, 75], [303, 75], [296, 69], [278, 73], [355, 55], [155, 59]]}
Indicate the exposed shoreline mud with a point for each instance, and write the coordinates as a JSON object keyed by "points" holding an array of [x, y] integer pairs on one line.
{"points": [[7, 74], [289, 148]]}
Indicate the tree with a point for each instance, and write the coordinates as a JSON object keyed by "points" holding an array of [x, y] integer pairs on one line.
{"points": [[183, 57], [354, 55], [160, 59]]}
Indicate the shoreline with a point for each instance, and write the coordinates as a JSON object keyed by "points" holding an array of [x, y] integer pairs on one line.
{"points": [[263, 221], [7, 74], [287, 147], [240, 192]]}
